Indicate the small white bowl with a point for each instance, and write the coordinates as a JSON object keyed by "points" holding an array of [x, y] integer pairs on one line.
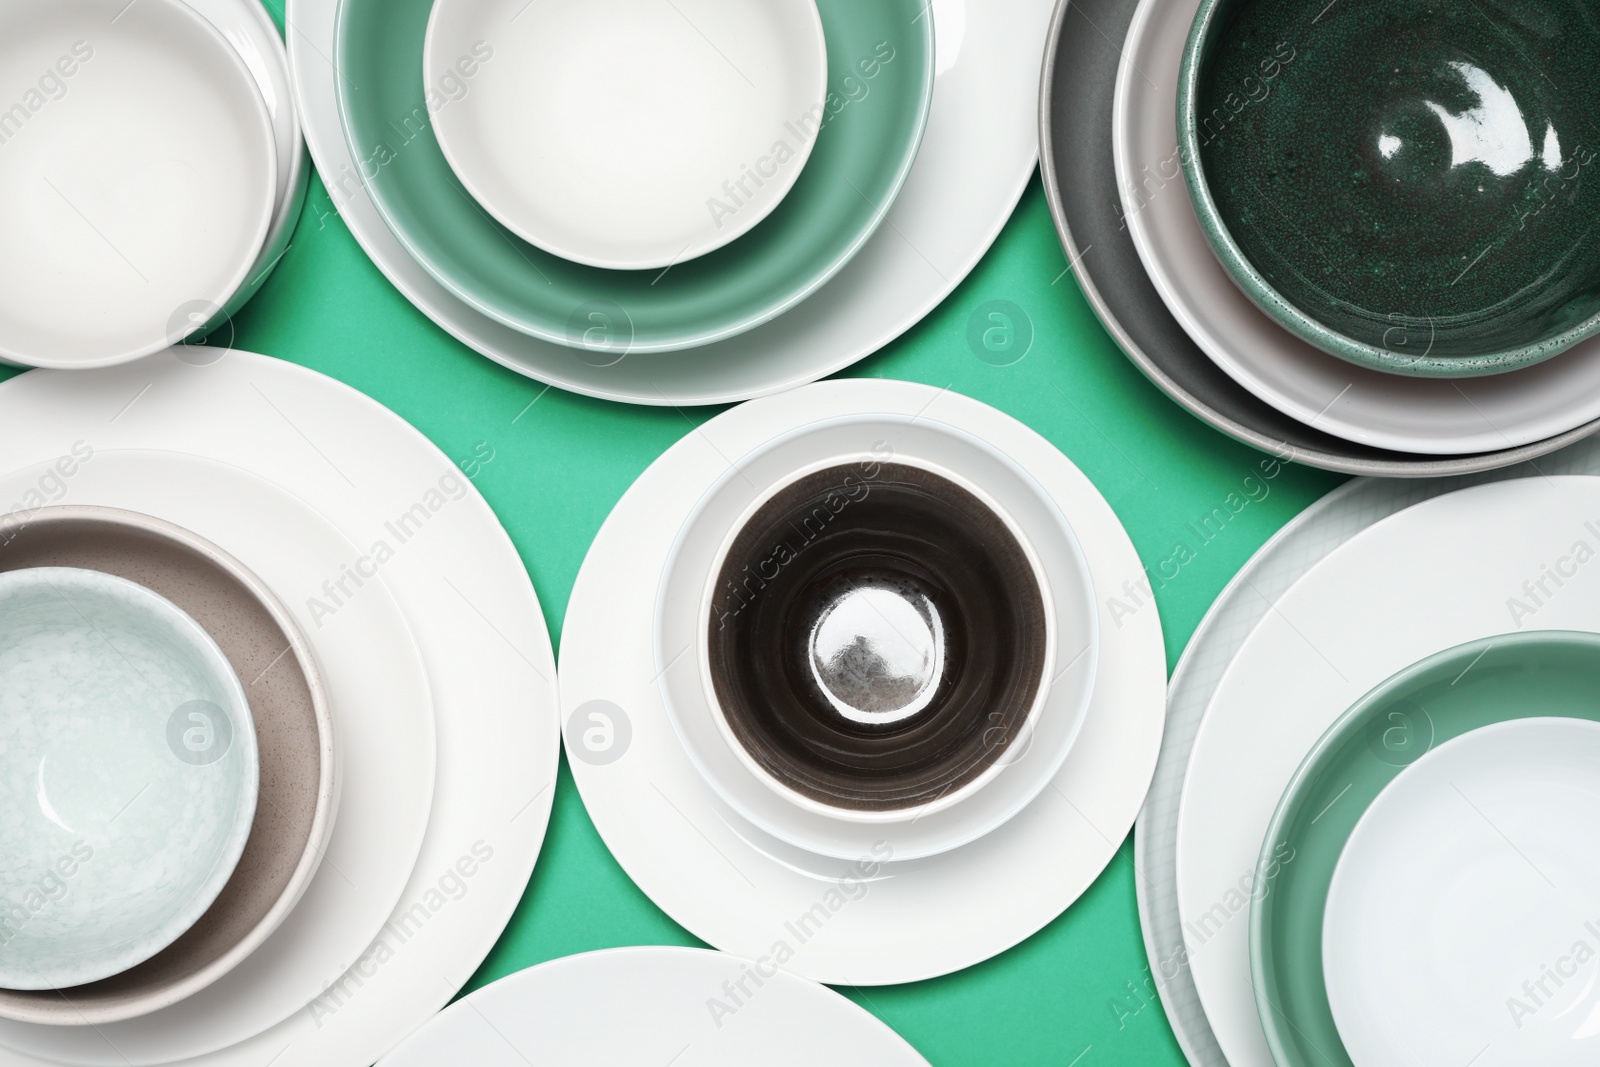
{"points": [[128, 775], [627, 134]]}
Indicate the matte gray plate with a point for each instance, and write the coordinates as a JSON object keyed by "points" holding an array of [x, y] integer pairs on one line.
{"points": [[1080, 74]]}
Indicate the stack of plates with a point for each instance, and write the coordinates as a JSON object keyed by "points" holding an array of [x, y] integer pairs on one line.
{"points": [[813, 551], [1366, 842], [375, 626], [153, 171], [1114, 173], [750, 196]]}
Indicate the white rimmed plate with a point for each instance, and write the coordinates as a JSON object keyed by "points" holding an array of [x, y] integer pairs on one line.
{"points": [[654, 1005], [383, 717], [137, 181], [478, 626], [868, 921], [1463, 918], [687, 98], [681, 659], [1436, 575], [1424, 416], [978, 153]]}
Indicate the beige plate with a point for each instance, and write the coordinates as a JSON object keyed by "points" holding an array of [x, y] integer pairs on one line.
{"points": [[299, 794]]}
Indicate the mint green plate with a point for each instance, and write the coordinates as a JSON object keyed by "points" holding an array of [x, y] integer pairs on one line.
{"points": [[1498, 679], [880, 63]]}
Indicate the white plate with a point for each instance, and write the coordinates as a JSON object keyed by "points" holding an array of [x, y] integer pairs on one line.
{"points": [[654, 1006], [1421, 415], [378, 693], [477, 624], [865, 921], [251, 31], [137, 181], [682, 657], [1437, 575], [978, 153], [685, 97], [1463, 918]]}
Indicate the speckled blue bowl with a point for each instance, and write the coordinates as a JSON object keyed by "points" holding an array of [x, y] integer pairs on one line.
{"points": [[128, 775]]}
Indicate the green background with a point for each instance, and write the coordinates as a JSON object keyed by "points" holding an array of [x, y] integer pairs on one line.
{"points": [[1077, 993]]}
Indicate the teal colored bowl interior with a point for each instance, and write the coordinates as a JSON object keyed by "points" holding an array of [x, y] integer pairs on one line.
{"points": [[880, 81], [128, 775], [1500, 679], [1412, 185]]}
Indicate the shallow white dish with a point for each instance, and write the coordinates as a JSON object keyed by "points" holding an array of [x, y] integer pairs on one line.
{"points": [[978, 153], [478, 628], [1249, 597], [1431, 577], [378, 692], [683, 617], [137, 183], [1462, 918], [870, 920], [1406, 414], [625, 134], [113, 847], [654, 1005]]}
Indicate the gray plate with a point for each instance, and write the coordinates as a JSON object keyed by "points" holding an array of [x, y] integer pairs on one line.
{"points": [[1080, 75]]}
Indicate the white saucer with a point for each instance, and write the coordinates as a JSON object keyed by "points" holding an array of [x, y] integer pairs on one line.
{"points": [[477, 623], [866, 921], [1406, 414], [251, 31], [686, 97], [978, 153], [383, 718], [654, 1006], [1033, 759], [1437, 575], [138, 183], [1463, 918], [1277, 565]]}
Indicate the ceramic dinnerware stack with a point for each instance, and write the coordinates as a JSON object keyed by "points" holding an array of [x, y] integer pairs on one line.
{"points": [[254, 629], [691, 203], [153, 171], [1336, 246], [841, 660], [1362, 842]]}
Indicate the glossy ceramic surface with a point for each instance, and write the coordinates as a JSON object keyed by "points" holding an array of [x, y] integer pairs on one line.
{"points": [[878, 638], [708, 99], [649, 1005], [138, 178], [130, 771], [881, 62], [1401, 186], [1486, 827], [299, 784]]}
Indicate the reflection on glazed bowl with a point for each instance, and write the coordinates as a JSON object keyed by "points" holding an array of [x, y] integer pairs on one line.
{"points": [[1405, 184]]}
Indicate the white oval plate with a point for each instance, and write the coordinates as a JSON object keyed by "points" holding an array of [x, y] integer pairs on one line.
{"points": [[1406, 414], [869, 920], [683, 614], [978, 153], [478, 626], [383, 718], [654, 1006], [624, 133], [137, 178], [1434, 576], [1463, 918]]}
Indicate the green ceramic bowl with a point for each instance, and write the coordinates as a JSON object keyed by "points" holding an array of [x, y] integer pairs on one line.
{"points": [[1517, 676], [1410, 185], [880, 63]]}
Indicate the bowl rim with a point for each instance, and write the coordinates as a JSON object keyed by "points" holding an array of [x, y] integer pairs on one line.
{"points": [[1267, 297]]}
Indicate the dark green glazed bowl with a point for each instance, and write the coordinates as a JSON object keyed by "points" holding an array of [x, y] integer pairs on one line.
{"points": [[1410, 185]]}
